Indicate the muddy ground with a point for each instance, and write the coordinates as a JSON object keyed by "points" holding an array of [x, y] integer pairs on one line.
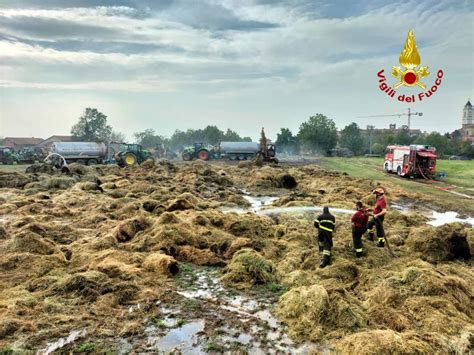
{"points": [[208, 258]]}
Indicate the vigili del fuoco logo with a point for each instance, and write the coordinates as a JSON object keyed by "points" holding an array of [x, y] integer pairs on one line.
{"points": [[410, 75]]}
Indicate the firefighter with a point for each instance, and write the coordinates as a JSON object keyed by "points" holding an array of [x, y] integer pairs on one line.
{"points": [[359, 227], [326, 224], [379, 211]]}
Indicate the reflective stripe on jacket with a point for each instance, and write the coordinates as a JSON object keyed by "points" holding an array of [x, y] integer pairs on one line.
{"points": [[326, 222]]}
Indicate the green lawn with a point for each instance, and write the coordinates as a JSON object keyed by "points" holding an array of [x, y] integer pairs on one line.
{"points": [[459, 173], [14, 167]]}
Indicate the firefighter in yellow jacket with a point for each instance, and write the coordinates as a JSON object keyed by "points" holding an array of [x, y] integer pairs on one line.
{"points": [[326, 224]]}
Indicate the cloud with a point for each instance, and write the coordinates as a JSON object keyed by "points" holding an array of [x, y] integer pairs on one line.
{"points": [[245, 53]]}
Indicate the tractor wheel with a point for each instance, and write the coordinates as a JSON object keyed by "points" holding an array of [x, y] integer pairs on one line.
{"points": [[129, 159], [203, 155], [92, 162], [81, 161], [186, 157]]}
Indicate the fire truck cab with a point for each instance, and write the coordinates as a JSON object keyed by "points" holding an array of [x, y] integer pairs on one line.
{"points": [[394, 154], [411, 161]]}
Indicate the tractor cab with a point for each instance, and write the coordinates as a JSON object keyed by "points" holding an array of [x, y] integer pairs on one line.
{"points": [[202, 151], [132, 154]]}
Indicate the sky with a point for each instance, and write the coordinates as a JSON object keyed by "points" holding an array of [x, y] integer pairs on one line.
{"points": [[239, 64]]}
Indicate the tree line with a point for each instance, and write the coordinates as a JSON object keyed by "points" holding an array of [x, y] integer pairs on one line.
{"points": [[317, 135]]}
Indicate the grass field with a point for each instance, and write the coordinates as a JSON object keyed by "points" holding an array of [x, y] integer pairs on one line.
{"points": [[9, 168], [459, 173]]}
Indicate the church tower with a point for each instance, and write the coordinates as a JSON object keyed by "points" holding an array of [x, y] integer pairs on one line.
{"points": [[467, 130], [467, 117]]}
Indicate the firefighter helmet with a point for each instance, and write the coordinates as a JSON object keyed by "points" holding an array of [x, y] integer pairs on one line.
{"points": [[378, 191]]}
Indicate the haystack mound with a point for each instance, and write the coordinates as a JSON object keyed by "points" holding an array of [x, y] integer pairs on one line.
{"points": [[445, 243], [161, 263], [303, 309], [248, 268]]}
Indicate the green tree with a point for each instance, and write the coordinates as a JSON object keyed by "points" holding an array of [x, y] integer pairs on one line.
{"points": [[92, 126], [148, 138], [403, 137], [231, 136], [287, 142], [117, 137], [440, 142], [318, 134], [212, 135], [377, 148], [352, 139]]}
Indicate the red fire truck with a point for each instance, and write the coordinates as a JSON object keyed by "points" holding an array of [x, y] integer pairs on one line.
{"points": [[411, 161]]}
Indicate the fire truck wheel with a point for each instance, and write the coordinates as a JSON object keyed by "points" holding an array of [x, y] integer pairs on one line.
{"points": [[399, 171]]}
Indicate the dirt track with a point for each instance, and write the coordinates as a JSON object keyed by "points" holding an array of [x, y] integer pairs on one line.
{"points": [[116, 254]]}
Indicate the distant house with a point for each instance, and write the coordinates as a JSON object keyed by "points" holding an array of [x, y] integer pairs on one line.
{"points": [[17, 143], [394, 130], [53, 139]]}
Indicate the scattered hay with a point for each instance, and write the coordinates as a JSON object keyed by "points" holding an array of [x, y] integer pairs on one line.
{"points": [[31, 242], [128, 229], [58, 182], [198, 256], [185, 201], [88, 284], [248, 268], [162, 264], [286, 181], [3, 233], [236, 245], [381, 342], [303, 309], [114, 268], [437, 244], [40, 168], [148, 164], [88, 186]]}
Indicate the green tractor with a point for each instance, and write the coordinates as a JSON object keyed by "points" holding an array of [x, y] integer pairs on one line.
{"points": [[8, 156], [200, 151], [132, 154]]}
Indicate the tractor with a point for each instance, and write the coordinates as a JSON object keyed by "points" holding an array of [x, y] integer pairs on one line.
{"points": [[132, 154], [200, 151]]}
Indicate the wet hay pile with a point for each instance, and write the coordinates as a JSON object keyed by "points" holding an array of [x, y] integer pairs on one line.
{"points": [[80, 246]]}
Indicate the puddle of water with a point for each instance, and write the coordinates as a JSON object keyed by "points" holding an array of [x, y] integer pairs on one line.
{"points": [[251, 322], [299, 209], [438, 218], [71, 338], [181, 339], [258, 202]]}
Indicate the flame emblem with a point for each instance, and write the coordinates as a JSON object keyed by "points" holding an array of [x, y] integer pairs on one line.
{"points": [[410, 59]]}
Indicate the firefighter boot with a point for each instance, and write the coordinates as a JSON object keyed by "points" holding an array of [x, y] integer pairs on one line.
{"points": [[326, 259], [325, 262], [381, 242], [359, 253], [370, 235]]}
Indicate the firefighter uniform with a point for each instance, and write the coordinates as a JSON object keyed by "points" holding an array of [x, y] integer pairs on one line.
{"points": [[326, 224], [376, 224], [359, 227]]}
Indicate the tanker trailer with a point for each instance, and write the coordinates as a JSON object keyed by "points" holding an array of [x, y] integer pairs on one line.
{"points": [[238, 150], [89, 153]]}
